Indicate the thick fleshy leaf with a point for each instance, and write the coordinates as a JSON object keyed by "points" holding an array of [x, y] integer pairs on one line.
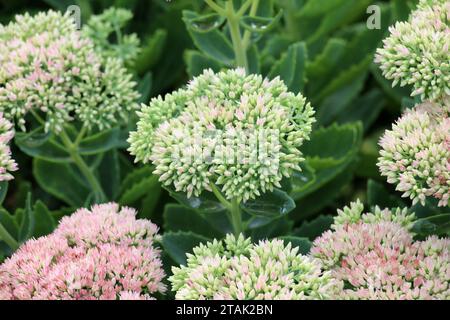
{"points": [[109, 174], [180, 218], [42, 145], [377, 195], [314, 228], [196, 62], [328, 153], [3, 190], [271, 204], [434, 225], [205, 203], [102, 142], [62, 181], [260, 24], [177, 244], [44, 223], [206, 23], [291, 67], [28, 221], [303, 244], [213, 43], [151, 51], [275, 228]]}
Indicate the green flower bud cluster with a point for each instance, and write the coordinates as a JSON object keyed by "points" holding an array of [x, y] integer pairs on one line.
{"points": [[241, 132]]}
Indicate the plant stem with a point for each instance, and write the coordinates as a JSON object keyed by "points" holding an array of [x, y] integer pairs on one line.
{"points": [[84, 168], [220, 197], [247, 33], [9, 240], [239, 50], [236, 217], [233, 210], [215, 7]]}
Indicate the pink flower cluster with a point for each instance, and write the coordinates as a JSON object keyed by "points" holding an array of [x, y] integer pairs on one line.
{"points": [[7, 164], [415, 154], [102, 253], [380, 260]]}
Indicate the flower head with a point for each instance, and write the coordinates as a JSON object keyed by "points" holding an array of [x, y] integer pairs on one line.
{"points": [[415, 154], [7, 164], [240, 132], [416, 53], [378, 259], [56, 73], [104, 253], [237, 269]]}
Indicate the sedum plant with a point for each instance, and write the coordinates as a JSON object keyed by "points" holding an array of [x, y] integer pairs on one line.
{"points": [[100, 28], [375, 255], [233, 134], [101, 253], [7, 164], [237, 269], [415, 154], [57, 81], [416, 52], [57, 76]]}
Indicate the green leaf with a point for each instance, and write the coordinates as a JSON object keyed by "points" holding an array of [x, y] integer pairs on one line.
{"points": [[109, 174], [206, 23], [336, 102], [44, 222], [9, 222], [196, 62], [254, 65], [314, 228], [311, 204], [42, 145], [177, 244], [328, 153], [260, 24], [365, 108], [377, 195], [319, 7], [145, 87], [205, 203], [28, 222], [274, 228], [62, 181], [435, 225], [303, 244], [271, 204], [101, 142], [180, 218], [146, 185], [3, 190], [396, 93], [291, 67], [151, 52], [214, 43]]}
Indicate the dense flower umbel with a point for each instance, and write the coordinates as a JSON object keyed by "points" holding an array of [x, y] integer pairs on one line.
{"points": [[415, 154], [48, 67], [378, 259], [7, 164], [102, 253], [248, 127], [417, 51], [236, 269]]}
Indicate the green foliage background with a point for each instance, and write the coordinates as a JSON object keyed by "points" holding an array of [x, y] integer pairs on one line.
{"points": [[321, 48]]}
